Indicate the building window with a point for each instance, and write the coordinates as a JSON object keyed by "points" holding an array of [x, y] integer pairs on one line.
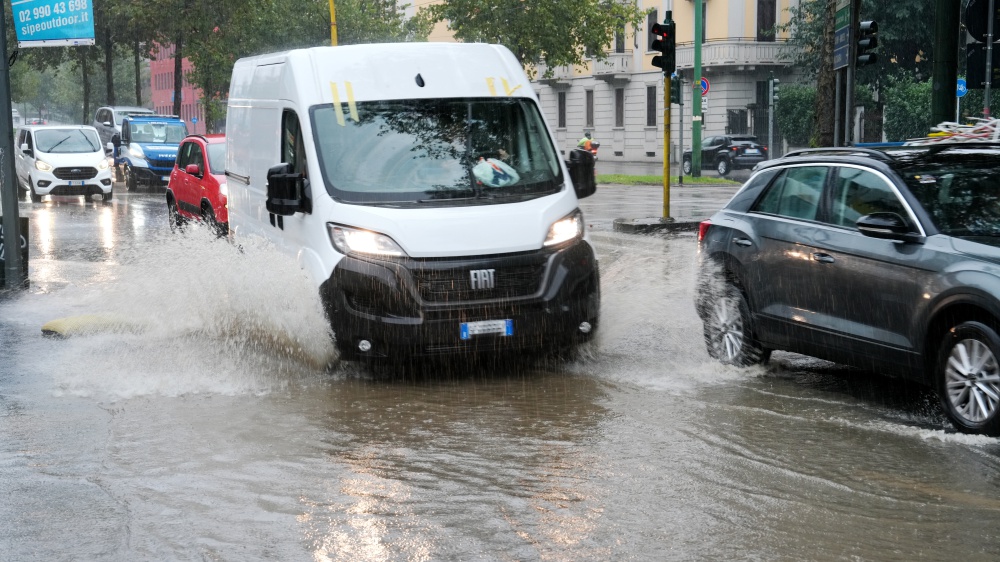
{"points": [[590, 108], [704, 22], [767, 14], [650, 20], [650, 106], [619, 107], [562, 109], [620, 37]]}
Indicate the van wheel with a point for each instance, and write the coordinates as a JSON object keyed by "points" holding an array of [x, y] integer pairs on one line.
{"points": [[729, 331], [35, 198], [131, 182], [968, 378], [687, 166]]}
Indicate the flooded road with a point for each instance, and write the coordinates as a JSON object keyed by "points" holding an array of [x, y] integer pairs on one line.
{"points": [[204, 428]]}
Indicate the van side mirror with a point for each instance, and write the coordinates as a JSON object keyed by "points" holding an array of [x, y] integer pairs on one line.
{"points": [[287, 192], [25, 150], [581, 172]]}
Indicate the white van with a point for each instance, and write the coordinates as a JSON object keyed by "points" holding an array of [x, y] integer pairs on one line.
{"points": [[420, 189], [61, 160]]}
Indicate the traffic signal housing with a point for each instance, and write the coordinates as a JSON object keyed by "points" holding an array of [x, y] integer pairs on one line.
{"points": [[867, 41], [774, 89], [665, 43], [675, 89]]}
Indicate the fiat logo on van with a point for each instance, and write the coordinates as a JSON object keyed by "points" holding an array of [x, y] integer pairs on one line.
{"points": [[482, 278]]}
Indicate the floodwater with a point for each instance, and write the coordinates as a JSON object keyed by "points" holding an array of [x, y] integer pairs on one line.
{"points": [[203, 426]]}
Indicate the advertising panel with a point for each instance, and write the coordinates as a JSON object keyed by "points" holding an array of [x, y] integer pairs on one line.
{"points": [[53, 23]]}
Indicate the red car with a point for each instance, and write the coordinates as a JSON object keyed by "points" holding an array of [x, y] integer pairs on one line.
{"points": [[197, 187]]}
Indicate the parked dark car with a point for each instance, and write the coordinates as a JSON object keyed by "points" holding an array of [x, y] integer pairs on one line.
{"points": [[887, 260], [727, 153]]}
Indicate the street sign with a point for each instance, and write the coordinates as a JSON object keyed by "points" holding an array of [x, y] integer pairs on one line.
{"points": [[705, 86], [961, 90], [975, 67], [53, 23], [704, 102], [842, 36], [977, 19]]}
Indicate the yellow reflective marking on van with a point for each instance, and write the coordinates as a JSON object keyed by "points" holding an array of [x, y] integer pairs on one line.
{"points": [[338, 109], [491, 84], [353, 107]]}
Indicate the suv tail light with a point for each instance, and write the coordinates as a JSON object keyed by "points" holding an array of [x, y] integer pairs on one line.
{"points": [[703, 229]]}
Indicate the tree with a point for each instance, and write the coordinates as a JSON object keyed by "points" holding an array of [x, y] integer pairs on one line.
{"points": [[555, 32], [794, 113], [907, 108]]}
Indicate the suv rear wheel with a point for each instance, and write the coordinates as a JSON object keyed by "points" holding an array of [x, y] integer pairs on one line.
{"points": [[729, 334], [723, 166], [968, 378], [687, 167]]}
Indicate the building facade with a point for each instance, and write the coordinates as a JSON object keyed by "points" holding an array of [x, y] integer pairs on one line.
{"points": [[161, 70], [620, 99]]}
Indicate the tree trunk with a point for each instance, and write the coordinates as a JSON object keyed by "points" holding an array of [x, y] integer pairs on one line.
{"points": [[136, 62], [826, 92], [178, 72], [85, 66], [109, 73]]}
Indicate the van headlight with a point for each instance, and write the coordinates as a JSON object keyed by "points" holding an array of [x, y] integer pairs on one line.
{"points": [[565, 229], [136, 150], [43, 166], [104, 164], [348, 240]]}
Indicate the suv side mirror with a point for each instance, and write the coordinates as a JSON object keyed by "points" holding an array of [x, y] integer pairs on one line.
{"points": [[287, 192], [887, 226], [581, 172]]}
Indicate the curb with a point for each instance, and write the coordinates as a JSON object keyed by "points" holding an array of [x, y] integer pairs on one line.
{"points": [[654, 224]]}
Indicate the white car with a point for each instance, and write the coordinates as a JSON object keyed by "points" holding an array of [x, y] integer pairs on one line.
{"points": [[62, 160]]}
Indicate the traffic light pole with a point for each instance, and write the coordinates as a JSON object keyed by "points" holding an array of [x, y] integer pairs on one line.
{"points": [[666, 143], [696, 94]]}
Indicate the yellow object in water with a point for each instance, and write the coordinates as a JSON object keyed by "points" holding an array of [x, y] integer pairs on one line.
{"points": [[89, 324]]}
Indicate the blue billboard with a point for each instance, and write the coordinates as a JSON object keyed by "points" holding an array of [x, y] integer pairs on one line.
{"points": [[53, 23]]}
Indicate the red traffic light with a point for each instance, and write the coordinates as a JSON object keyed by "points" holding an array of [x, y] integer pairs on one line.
{"points": [[661, 29]]}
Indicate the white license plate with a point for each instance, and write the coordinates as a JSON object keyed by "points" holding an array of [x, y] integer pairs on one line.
{"points": [[165, 178], [77, 182], [502, 327], [751, 151]]}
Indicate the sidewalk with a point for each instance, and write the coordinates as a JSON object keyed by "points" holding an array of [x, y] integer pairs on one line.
{"points": [[638, 208]]}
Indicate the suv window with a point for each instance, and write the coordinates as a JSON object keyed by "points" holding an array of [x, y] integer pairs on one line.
{"points": [[857, 193], [795, 194]]}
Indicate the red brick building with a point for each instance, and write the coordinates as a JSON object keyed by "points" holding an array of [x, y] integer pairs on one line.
{"points": [[161, 70]]}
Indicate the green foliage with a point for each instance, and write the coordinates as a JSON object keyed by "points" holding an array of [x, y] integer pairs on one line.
{"points": [[555, 32], [794, 113], [907, 108]]}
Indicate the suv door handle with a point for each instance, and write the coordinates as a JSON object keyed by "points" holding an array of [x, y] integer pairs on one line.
{"points": [[823, 258], [742, 242]]}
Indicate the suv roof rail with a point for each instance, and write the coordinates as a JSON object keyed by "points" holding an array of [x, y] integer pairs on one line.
{"points": [[842, 151]]}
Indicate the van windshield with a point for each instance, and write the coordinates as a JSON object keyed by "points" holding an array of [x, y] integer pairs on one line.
{"points": [[67, 140], [169, 133], [435, 152]]}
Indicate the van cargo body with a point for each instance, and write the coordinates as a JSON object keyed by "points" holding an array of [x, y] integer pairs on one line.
{"points": [[420, 189]]}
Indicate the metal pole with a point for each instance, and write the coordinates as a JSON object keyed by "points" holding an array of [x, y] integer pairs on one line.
{"points": [[680, 102], [989, 60], [852, 62], [770, 116], [13, 268], [333, 25], [666, 144], [696, 122], [837, 108], [944, 68]]}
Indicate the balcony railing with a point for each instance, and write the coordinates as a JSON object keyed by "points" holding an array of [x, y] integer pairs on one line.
{"points": [[735, 52], [615, 66]]}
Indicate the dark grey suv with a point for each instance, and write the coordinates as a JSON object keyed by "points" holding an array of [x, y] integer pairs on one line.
{"points": [[887, 260]]}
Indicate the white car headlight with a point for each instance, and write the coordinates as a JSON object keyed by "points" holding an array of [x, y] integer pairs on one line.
{"points": [[136, 150], [104, 164], [43, 166], [565, 229], [349, 240], [224, 189]]}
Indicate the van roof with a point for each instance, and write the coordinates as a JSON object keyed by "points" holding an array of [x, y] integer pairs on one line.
{"points": [[381, 71]]}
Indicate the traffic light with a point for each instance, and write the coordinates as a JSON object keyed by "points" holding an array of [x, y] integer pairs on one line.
{"points": [[867, 41], [665, 44], [774, 88], [675, 90]]}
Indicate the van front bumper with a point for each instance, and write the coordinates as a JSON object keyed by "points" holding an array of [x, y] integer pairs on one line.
{"points": [[536, 300]]}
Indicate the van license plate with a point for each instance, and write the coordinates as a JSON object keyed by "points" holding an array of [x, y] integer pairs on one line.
{"points": [[502, 327], [80, 182]]}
